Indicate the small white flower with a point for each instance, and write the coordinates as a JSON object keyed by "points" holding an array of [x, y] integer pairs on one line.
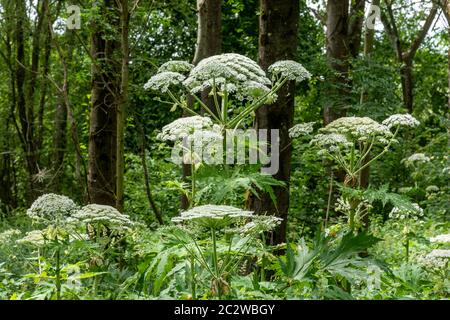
{"points": [[8, 234], [401, 120], [176, 66], [416, 158], [52, 209], [34, 237], [442, 238], [359, 129], [432, 189], [94, 214], [290, 70], [213, 216], [184, 127], [234, 73], [440, 253], [330, 142], [301, 129], [403, 213], [162, 81]]}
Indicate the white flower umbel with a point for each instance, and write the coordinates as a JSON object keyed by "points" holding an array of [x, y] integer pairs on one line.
{"points": [[359, 129], [8, 235], [416, 158], [440, 253], [288, 69], [330, 142], [52, 209], [184, 127], [34, 237], [405, 119], [164, 80], [301, 129], [176, 66], [96, 214], [259, 224], [229, 72], [403, 213], [213, 216], [442, 238], [436, 260]]}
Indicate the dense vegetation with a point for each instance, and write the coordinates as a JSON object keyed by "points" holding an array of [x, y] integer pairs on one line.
{"points": [[114, 182]]}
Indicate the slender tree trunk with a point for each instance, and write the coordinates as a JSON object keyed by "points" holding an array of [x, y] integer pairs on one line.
{"points": [[123, 105], [337, 55], [105, 50], [209, 43], [26, 117], [407, 84], [278, 26], [355, 27]]}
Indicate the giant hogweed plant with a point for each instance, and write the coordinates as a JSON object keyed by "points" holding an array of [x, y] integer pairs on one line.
{"points": [[63, 229], [241, 232], [349, 141], [236, 86]]}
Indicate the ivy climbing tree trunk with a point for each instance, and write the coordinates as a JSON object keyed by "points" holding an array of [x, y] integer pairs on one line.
{"points": [[106, 65], [278, 25]]}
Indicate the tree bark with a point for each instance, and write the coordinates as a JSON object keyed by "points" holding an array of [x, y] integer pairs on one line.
{"points": [[337, 55], [355, 27], [105, 50], [278, 26], [123, 103]]}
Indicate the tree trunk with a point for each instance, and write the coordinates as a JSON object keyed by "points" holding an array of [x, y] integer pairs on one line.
{"points": [[337, 55], [355, 27], [59, 144], [209, 43], [278, 26], [407, 84], [209, 32], [105, 50], [123, 105]]}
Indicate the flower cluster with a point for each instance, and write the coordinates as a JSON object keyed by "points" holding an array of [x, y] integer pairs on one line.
{"points": [[436, 259], [290, 70], [432, 189], [34, 237], [176, 66], [229, 72], [164, 80], [259, 224], [301, 129], [8, 234], [52, 209], [404, 213], [416, 158], [442, 238], [406, 120], [185, 127], [96, 214], [359, 129], [331, 143], [213, 216]]}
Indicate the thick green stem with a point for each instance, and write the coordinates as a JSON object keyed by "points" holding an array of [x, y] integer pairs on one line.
{"points": [[193, 284], [215, 262], [58, 274]]}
